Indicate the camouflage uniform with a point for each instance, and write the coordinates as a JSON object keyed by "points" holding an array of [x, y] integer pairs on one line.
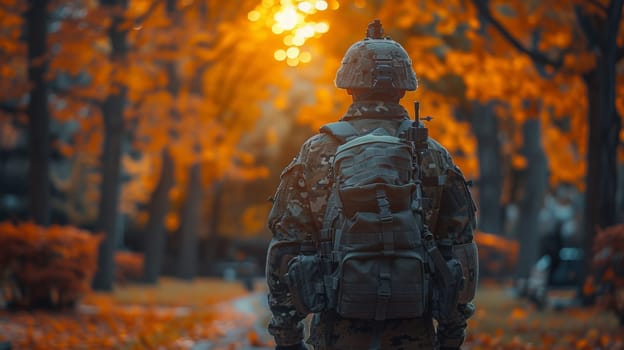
{"points": [[299, 208]]}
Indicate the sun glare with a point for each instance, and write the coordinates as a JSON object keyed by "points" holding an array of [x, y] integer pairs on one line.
{"points": [[289, 20]]}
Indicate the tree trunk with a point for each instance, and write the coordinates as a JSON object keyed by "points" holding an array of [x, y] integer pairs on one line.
{"points": [[155, 234], [217, 202], [38, 117], [534, 189], [604, 133], [112, 112], [159, 204], [188, 254], [485, 127]]}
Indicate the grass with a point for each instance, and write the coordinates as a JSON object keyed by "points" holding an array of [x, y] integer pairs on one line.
{"points": [[172, 292]]}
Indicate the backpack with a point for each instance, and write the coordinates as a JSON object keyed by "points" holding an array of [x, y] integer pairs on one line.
{"points": [[375, 257], [375, 232]]}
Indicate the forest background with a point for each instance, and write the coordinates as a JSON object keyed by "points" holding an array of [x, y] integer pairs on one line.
{"points": [[161, 126]]}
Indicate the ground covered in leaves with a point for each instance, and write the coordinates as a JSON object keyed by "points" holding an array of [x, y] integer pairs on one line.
{"points": [[211, 314], [175, 315], [505, 322]]}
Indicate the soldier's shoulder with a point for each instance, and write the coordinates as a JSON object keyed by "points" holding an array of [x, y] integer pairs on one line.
{"points": [[318, 144], [443, 153]]}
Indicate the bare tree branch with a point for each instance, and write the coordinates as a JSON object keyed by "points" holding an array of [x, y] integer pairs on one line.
{"points": [[67, 94], [595, 38], [613, 26], [536, 55], [599, 5], [10, 109]]}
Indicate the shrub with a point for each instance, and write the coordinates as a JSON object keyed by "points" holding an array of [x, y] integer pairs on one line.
{"points": [[45, 267], [608, 267], [128, 266], [497, 255]]}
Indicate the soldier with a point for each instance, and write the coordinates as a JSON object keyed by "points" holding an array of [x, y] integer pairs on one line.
{"points": [[376, 72]]}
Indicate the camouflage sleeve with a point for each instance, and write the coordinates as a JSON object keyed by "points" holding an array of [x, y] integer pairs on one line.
{"points": [[457, 222], [289, 221]]}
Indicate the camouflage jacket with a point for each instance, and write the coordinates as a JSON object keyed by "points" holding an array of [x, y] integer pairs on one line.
{"points": [[299, 208]]}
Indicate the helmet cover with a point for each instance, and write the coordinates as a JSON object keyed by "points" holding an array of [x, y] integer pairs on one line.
{"points": [[377, 62]]}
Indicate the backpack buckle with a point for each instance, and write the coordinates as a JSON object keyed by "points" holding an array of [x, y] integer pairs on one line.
{"points": [[384, 206], [384, 290]]}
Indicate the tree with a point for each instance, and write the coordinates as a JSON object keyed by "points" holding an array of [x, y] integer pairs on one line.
{"points": [[190, 222], [112, 114], [484, 123], [38, 117], [196, 100], [158, 207], [155, 234], [532, 198], [592, 55]]}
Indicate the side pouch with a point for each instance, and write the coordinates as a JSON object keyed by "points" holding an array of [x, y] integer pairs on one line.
{"points": [[305, 281], [469, 258], [445, 297]]}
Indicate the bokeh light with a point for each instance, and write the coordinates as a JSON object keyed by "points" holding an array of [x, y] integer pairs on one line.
{"points": [[306, 7], [292, 52], [289, 19], [305, 57], [280, 55], [321, 5], [253, 15]]}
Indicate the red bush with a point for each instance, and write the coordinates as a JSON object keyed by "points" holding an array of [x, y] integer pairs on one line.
{"points": [[128, 266], [45, 267], [608, 265], [497, 255]]}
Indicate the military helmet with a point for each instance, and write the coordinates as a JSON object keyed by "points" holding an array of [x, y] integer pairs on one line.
{"points": [[377, 62]]}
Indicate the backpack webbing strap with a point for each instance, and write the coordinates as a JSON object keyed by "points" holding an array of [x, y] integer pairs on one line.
{"points": [[385, 216], [384, 291], [405, 124], [439, 263], [343, 131], [403, 238]]}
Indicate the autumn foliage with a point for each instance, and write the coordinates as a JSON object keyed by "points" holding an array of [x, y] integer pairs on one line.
{"points": [[49, 267], [497, 255], [608, 265], [128, 266]]}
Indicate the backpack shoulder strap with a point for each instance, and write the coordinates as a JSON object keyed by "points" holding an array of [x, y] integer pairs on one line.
{"points": [[405, 124], [343, 131]]}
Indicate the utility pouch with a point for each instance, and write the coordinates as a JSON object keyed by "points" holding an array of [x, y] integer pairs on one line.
{"points": [[469, 258], [375, 287], [305, 279], [446, 293]]}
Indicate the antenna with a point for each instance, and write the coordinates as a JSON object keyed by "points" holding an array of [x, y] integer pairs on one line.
{"points": [[416, 111], [375, 30]]}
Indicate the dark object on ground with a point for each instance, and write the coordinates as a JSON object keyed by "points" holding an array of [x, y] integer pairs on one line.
{"points": [[562, 277], [5, 345]]}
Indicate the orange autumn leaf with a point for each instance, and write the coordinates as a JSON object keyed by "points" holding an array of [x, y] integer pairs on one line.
{"points": [[519, 162], [518, 314]]}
